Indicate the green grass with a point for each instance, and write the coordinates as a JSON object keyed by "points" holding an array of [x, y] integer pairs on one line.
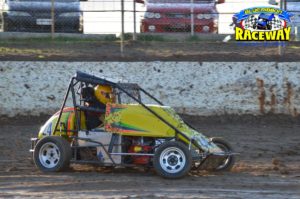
{"points": [[193, 39], [59, 39], [294, 47]]}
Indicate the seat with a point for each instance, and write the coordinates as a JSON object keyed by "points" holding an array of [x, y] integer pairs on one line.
{"points": [[89, 99]]}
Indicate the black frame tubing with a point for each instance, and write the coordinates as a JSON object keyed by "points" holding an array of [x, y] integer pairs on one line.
{"points": [[99, 81], [152, 97], [154, 113], [93, 141], [160, 103], [63, 104], [75, 105]]}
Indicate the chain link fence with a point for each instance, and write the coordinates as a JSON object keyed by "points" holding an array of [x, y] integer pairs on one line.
{"points": [[171, 21], [105, 17]]}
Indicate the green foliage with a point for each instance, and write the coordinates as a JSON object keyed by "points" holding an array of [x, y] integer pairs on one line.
{"points": [[142, 37], [192, 38]]}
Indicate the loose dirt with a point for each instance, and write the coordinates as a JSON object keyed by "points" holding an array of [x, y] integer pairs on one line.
{"points": [[267, 167]]}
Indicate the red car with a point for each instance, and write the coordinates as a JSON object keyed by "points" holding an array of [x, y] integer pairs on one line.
{"points": [[175, 16]]}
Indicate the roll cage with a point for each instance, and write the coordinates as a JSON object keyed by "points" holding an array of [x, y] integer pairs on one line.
{"points": [[134, 92], [131, 90]]}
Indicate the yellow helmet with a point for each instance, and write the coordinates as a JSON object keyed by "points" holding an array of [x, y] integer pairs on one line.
{"points": [[104, 94]]}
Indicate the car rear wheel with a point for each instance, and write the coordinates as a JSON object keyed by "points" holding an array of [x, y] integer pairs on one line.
{"points": [[52, 153], [172, 160]]}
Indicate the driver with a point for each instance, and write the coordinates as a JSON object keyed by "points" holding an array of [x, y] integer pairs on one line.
{"points": [[104, 94], [96, 97]]}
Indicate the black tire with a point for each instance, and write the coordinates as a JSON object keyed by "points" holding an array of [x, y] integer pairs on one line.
{"points": [[172, 160], [52, 154], [229, 161]]}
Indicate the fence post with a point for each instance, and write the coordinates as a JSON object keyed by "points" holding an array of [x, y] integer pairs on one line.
{"points": [[134, 21], [280, 48], [122, 29], [192, 18], [52, 19], [1, 16]]}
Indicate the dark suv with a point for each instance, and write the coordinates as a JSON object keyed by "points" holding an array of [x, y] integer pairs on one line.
{"points": [[35, 16]]}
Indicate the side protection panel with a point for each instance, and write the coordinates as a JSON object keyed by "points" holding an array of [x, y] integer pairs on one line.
{"points": [[135, 120], [67, 121]]}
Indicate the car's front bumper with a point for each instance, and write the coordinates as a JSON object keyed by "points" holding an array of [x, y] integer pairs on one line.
{"points": [[179, 25], [32, 24]]}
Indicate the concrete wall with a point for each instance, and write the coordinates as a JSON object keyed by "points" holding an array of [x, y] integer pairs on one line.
{"points": [[209, 88]]}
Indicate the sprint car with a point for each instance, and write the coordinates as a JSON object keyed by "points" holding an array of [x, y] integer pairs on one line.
{"points": [[131, 133]]}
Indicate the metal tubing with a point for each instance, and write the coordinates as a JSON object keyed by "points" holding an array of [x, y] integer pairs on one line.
{"points": [[133, 154], [134, 21], [92, 162], [52, 19], [84, 108], [75, 105], [114, 138], [160, 103], [63, 105], [154, 113], [192, 18], [93, 141], [94, 81], [280, 48], [98, 81], [122, 28], [152, 97]]}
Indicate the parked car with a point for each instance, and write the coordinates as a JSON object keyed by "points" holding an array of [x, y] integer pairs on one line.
{"points": [[35, 16], [175, 16]]}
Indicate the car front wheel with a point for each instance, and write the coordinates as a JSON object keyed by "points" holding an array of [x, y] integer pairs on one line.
{"points": [[172, 160], [52, 153]]}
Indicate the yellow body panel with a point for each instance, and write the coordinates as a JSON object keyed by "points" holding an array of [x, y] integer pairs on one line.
{"points": [[135, 120], [131, 120], [68, 124]]}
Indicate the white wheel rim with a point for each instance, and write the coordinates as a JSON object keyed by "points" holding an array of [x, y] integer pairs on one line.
{"points": [[172, 160], [49, 155]]}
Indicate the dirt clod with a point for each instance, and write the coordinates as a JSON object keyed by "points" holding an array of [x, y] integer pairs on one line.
{"points": [[276, 161], [284, 172], [13, 168]]}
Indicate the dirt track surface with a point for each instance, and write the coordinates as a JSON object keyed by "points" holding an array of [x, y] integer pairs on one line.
{"points": [[85, 50], [268, 166]]}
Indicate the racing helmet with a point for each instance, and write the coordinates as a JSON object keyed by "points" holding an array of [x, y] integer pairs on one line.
{"points": [[104, 94]]}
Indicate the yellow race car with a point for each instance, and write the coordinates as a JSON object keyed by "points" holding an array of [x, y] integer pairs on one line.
{"points": [[110, 125]]}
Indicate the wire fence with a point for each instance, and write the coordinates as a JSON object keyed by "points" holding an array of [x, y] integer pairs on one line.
{"points": [[153, 20], [109, 16]]}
